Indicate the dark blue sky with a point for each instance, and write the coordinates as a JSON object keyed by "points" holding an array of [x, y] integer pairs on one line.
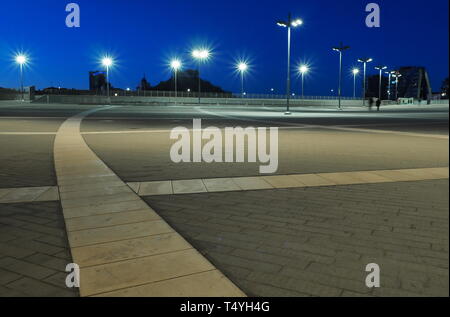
{"points": [[144, 34]]}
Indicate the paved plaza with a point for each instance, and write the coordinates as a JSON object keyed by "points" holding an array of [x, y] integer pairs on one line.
{"points": [[95, 185]]}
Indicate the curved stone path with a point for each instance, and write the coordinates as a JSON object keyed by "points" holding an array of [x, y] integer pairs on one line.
{"points": [[121, 245]]}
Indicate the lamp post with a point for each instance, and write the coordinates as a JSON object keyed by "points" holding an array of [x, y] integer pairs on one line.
{"points": [[107, 62], [21, 60], [340, 49], [380, 68], [355, 72], [364, 61], [200, 55], [175, 65], [390, 83], [289, 24], [397, 76], [303, 69], [242, 68]]}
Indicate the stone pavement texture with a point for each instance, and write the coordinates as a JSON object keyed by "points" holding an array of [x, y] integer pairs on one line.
{"points": [[30, 164], [193, 186], [34, 251], [143, 157], [317, 241], [121, 245]]}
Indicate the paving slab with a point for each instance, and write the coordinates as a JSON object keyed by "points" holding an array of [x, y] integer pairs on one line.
{"points": [[129, 249], [139, 271], [108, 220], [220, 185], [25, 194], [155, 188], [397, 175], [283, 181], [341, 178], [117, 233], [252, 183], [312, 180], [189, 186], [52, 194], [205, 284]]}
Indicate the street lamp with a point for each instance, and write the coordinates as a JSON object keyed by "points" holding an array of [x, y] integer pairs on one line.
{"points": [[380, 68], [364, 61], [303, 69], [289, 24], [200, 55], [390, 84], [21, 60], [242, 67], [397, 75], [355, 72], [107, 62], [175, 65], [340, 49]]}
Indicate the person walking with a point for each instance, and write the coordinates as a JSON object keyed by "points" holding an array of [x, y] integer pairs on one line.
{"points": [[378, 104], [370, 103]]}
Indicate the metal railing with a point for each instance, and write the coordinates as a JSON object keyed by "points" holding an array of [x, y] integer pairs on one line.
{"points": [[193, 94]]}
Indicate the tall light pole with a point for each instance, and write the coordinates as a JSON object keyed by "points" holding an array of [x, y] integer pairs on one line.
{"points": [[242, 68], [200, 55], [397, 76], [355, 72], [175, 65], [340, 49], [107, 62], [289, 24], [21, 60], [380, 68], [364, 61], [389, 84], [303, 69]]}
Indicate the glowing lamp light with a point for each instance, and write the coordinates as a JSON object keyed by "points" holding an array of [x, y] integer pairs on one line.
{"points": [[175, 64], [303, 69], [107, 61], [242, 67], [200, 54], [21, 59]]}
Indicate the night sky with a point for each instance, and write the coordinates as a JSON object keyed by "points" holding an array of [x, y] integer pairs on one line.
{"points": [[143, 35]]}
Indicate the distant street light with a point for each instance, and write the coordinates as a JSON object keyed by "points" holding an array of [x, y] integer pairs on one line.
{"points": [[200, 55], [340, 49], [364, 61], [380, 68], [175, 65], [242, 68], [397, 75], [107, 62], [21, 60], [289, 24], [390, 83], [355, 72], [303, 69]]}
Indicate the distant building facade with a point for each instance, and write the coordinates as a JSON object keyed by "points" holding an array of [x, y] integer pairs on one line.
{"points": [[414, 83], [97, 82]]}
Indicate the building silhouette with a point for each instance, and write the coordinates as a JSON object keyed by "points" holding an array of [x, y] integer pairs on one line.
{"points": [[97, 82], [414, 83], [188, 80]]}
